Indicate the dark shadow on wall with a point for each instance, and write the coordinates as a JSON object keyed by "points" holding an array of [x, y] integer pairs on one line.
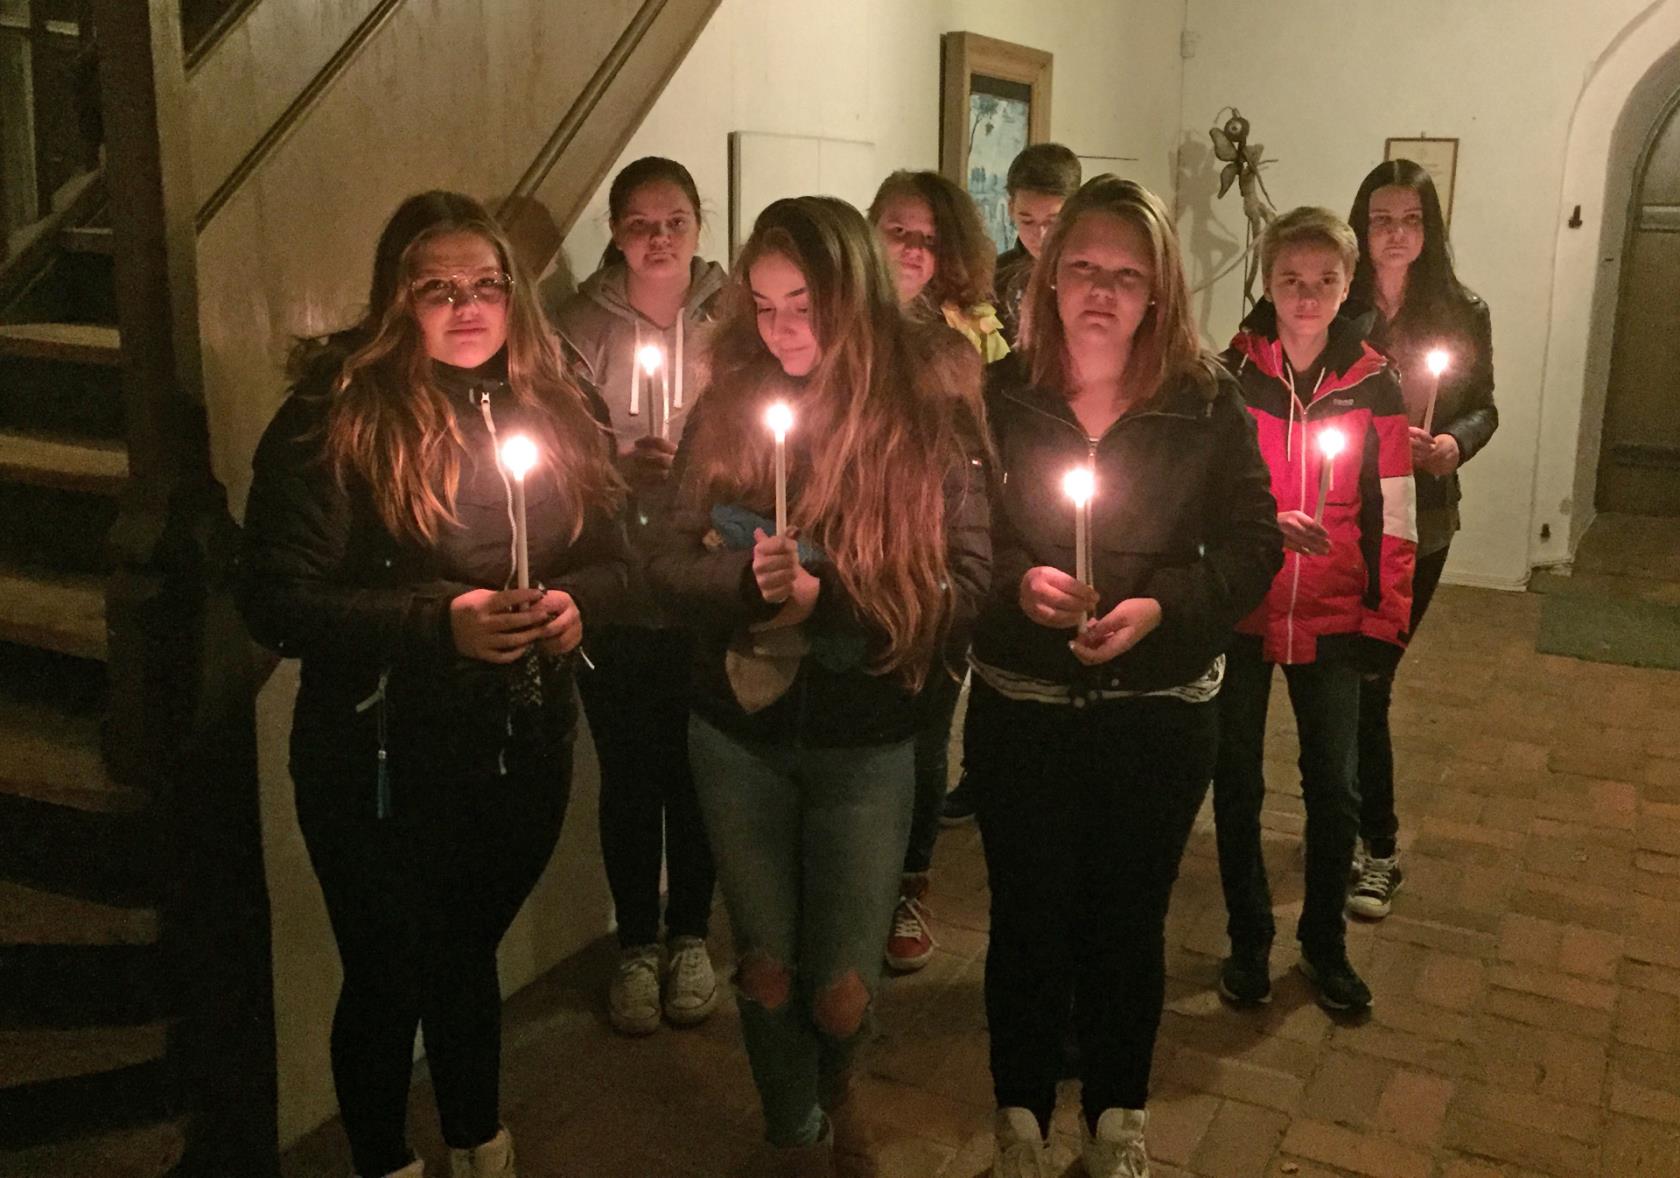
{"points": [[1209, 246]]}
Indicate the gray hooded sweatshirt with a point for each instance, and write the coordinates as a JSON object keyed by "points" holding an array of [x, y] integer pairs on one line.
{"points": [[602, 332]]}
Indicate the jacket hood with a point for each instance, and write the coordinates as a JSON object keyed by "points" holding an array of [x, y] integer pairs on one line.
{"points": [[1348, 358], [608, 287]]}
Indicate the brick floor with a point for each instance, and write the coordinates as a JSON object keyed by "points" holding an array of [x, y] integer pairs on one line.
{"points": [[1527, 1017]]}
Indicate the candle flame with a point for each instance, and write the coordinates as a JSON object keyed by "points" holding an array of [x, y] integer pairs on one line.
{"points": [[651, 357], [1331, 442], [519, 454], [1437, 360], [779, 417], [1079, 484]]}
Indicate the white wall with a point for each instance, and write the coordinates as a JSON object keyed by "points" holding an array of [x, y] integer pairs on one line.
{"points": [[1325, 82], [869, 70]]}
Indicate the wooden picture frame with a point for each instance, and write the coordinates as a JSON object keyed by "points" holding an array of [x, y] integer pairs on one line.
{"points": [[1438, 157], [994, 100]]}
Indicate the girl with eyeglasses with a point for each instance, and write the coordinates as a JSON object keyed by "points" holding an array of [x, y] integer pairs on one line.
{"points": [[942, 264], [651, 292], [432, 739], [816, 650], [1413, 303]]}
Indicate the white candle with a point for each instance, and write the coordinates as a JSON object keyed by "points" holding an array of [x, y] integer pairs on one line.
{"points": [[1079, 484], [650, 358], [1437, 362], [519, 455], [779, 417], [1331, 442]]}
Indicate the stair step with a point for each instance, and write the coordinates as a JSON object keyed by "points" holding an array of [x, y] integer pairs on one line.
{"points": [[30, 916], [148, 1151], [93, 465], [40, 1057], [54, 612], [87, 239], [79, 343], [48, 755]]}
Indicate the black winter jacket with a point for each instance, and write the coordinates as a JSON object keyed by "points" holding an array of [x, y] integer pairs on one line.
{"points": [[323, 581], [714, 592], [1183, 513]]}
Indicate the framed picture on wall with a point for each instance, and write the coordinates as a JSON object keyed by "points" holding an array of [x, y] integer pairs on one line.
{"points": [[1438, 157], [994, 100]]}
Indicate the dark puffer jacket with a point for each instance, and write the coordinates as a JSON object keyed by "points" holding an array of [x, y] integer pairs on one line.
{"points": [[323, 581], [1182, 514]]}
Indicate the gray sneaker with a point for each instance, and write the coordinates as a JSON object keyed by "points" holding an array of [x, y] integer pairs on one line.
{"points": [[633, 997], [691, 987]]}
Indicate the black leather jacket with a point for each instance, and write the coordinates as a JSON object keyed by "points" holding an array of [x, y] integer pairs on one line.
{"points": [[1184, 514], [367, 612]]}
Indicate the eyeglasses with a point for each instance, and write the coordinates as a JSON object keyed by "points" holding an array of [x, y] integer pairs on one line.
{"points": [[432, 293]]}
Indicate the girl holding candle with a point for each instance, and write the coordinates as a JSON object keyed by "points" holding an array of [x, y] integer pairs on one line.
{"points": [[1319, 394], [432, 738], [942, 264], [816, 649], [638, 330], [1089, 751], [1417, 308]]}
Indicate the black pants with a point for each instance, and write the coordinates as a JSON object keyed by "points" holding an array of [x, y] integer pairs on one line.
{"points": [[933, 770], [1378, 823], [418, 903], [637, 700], [1084, 814], [1325, 696]]}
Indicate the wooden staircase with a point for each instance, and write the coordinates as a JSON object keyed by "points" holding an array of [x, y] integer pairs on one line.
{"points": [[85, 1014]]}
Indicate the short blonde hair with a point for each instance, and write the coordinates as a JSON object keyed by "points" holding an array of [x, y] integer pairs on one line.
{"points": [[1305, 225]]}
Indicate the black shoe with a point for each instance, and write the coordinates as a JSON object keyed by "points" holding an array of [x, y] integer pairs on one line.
{"points": [[1245, 976], [958, 806], [1339, 988]]}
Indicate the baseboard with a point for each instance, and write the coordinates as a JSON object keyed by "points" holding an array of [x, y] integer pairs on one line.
{"points": [[1476, 581]]}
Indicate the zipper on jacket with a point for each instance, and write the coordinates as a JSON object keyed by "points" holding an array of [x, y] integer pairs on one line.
{"points": [[381, 723]]}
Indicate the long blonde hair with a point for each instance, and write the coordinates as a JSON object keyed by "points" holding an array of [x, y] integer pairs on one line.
{"points": [[393, 428], [1166, 348], [891, 409]]}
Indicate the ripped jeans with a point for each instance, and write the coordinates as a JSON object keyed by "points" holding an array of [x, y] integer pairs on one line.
{"points": [[809, 843]]}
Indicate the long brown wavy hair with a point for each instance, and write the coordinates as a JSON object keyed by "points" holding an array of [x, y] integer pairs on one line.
{"points": [[889, 411], [1166, 348], [393, 429], [963, 256]]}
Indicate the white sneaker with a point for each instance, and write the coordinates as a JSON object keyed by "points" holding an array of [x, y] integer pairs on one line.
{"points": [[493, 1159], [633, 997], [1019, 1146], [1117, 1150], [691, 988]]}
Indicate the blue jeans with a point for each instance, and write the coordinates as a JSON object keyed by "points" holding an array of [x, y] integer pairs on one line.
{"points": [[1325, 696], [808, 844]]}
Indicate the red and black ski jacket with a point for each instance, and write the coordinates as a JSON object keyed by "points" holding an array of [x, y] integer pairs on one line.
{"points": [[1326, 606]]}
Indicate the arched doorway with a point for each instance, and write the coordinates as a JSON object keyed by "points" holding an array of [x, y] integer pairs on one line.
{"points": [[1639, 462]]}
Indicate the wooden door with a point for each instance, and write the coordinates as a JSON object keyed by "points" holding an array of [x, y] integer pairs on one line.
{"points": [[1639, 466]]}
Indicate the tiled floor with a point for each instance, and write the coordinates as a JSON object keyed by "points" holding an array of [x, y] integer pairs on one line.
{"points": [[1527, 985]]}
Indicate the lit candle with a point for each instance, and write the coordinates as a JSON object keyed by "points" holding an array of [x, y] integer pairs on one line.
{"points": [[1331, 442], [1080, 484], [677, 364], [519, 455], [1436, 362], [780, 419], [650, 358]]}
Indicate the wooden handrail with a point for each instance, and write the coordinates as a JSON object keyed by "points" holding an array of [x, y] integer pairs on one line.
{"points": [[293, 114], [218, 31]]}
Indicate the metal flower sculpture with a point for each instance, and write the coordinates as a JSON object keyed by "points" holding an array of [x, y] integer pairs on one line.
{"points": [[1243, 161]]}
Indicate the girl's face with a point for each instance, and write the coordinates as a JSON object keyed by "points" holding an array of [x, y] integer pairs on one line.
{"points": [[1308, 284], [1395, 234], [1105, 279], [906, 229], [784, 313], [459, 296], [659, 231]]}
